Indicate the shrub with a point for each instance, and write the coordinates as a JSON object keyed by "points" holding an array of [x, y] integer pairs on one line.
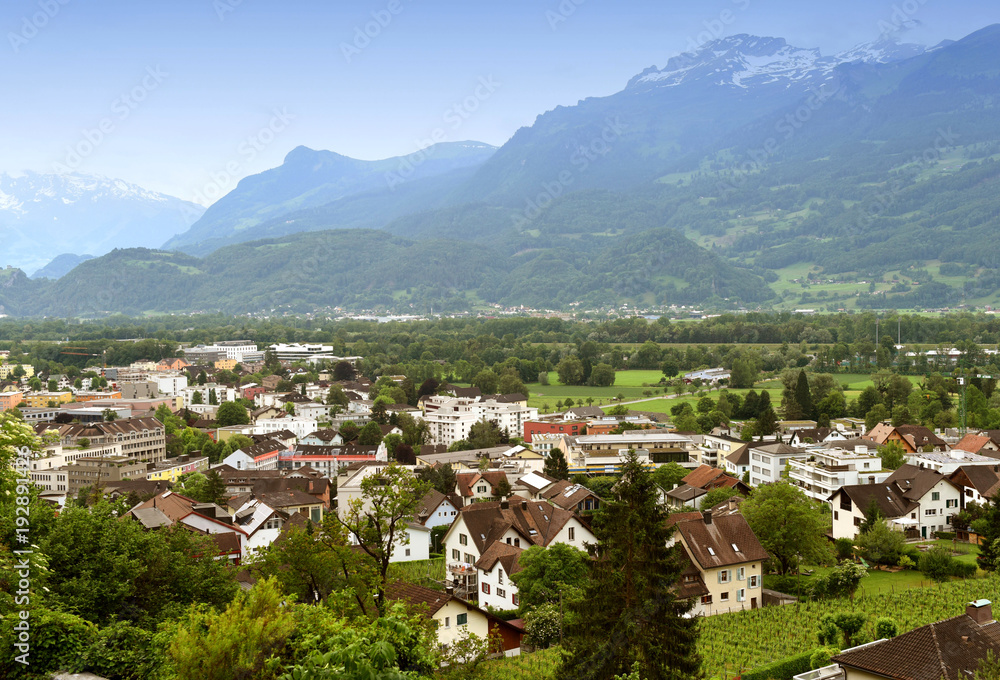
{"points": [[886, 628], [542, 625], [906, 562], [782, 669], [945, 535], [844, 548], [820, 657], [58, 642]]}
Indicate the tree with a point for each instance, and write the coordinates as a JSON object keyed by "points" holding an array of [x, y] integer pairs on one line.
{"points": [[892, 454], [370, 435], [503, 489], [486, 434], [337, 397], [629, 607], [602, 375], [236, 643], [511, 383], [196, 398], [766, 423], [936, 564], [487, 381], [873, 516], [344, 371], [803, 396], [743, 374], [109, 415], [443, 478], [349, 431], [213, 398], [556, 465], [669, 367], [232, 413], [716, 496], [876, 415], [547, 574], [988, 528], [670, 475], [787, 524], [570, 371], [378, 518], [881, 545]]}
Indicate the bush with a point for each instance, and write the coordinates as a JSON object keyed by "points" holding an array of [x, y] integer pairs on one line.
{"points": [[783, 669], [906, 562], [820, 657], [542, 625], [945, 535], [963, 569], [124, 652], [844, 548], [59, 642], [886, 628]]}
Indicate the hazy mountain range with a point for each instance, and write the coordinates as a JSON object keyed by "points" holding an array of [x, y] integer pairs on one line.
{"points": [[750, 172]]}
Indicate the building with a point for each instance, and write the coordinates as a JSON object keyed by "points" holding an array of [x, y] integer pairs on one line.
{"points": [[550, 427], [978, 483], [767, 462], [91, 471], [308, 352], [913, 500], [716, 448], [726, 563], [261, 456], [951, 649], [493, 571], [450, 419], [172, 385], [172, 468], [9, 400], [912, 438], [708, 375], [140, 438], [823, 471], [454, 617], [43, 399], [697, 483], [662, 446]]}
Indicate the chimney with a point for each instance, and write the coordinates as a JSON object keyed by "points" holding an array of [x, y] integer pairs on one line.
{"points": [[449, 590], [524, 505], [504, 504], [707, 516], [980, 611]]}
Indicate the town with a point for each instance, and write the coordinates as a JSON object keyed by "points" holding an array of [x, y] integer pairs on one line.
{"points": [[483, 517]]}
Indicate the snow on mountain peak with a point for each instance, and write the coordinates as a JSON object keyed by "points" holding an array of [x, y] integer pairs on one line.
{"points": [[18, 188], [745, 60]]}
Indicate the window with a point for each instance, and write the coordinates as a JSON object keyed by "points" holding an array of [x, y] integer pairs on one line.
{"points": [[500, 576], [935, 495], [857, 521], [706, 599], [480, 489], [741, 595], [469, 558], [836, 515], [501, 592], [724, 597], [486, 588], [447, 622], [407, 552], [517, 542], [455, 555], [724, 576], [754, 582], [741, 574], [572, 533], [845, 502], [516, 599], [463, 539], [461, 619], [930, 511]]}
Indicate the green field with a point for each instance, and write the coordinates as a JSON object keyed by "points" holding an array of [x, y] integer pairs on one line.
{"points": [[731, 644], [627, 383]]}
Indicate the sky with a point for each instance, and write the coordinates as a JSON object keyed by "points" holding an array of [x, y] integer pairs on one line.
{"points": [[187, 97]]}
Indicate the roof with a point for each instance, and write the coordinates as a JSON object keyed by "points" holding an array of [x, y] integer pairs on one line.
{"points": [[537, 522], [508, 556], [913, 482], [415, 595], [536, 481], [972, 443], [466, 480], [151, 518], [567, 495], [891, 503], [740, 456], [429, 503], [983, 478], [725, 540], [276, 499], [691, 583], [816, 434], [702, 476], [779, 449], [920, 436], [686, 492], [951, 650]]}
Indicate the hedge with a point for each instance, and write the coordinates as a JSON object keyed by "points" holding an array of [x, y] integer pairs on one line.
{"points": [[783, 669]]}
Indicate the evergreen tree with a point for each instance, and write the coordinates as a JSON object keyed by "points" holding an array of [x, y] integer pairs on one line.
{"points": [[629, 618], [988, 528], [556, 465], [803, 396]]}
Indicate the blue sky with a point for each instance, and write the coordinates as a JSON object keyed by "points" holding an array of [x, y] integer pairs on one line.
{"points": [[193, 93]]}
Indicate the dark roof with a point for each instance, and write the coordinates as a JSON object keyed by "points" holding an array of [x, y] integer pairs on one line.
{"points": [[691, 584], [913, 482], [263, 448], [536, 521], [507, 555], [891, 502], [816, 434], [415, 595], [982, 478], [686, 492], [740, 456], [326, 434], [428, 504], [950, 650], [779, 449], [567, 495], [310, 485], [467, 479], [466, 392], [275, 499], [586, 412], [711, 545], [919, 436]]}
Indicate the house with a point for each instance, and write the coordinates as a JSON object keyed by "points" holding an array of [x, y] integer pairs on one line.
{"points": [[531, 485], [569, 496], [951, 649], [699, 482], [454, 615], [983, 444], [324, 437], [825, 470], [493, 571], [261, 456], [767, 462], [168, 508], [717, 446], [520, 523], [912, 438], [737, 463], [478, 486], [262, 515], [815, 435], [912, 499], [435, 510], [726, 563], [978, 483]]}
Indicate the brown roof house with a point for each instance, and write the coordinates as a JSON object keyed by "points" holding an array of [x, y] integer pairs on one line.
{"points": [[455, 616], [726, 563], [913, 438], [699, 482], [951, 649]]}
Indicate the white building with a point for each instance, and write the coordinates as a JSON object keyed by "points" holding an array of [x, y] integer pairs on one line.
{"points": [[171, 385], [949, 461], [222, 393], [300, 427], [306, 352], [450, 418], [493, 571], [823, 471], [767, 463], [922, 501]]}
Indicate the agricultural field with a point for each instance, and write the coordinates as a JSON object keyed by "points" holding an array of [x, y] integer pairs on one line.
{"points": [[422, 572], [731, 644]]}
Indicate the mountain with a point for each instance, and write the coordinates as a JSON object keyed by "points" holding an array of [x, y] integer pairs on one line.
{"points": [[309, 179], [60, 266], [43, 214]]}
